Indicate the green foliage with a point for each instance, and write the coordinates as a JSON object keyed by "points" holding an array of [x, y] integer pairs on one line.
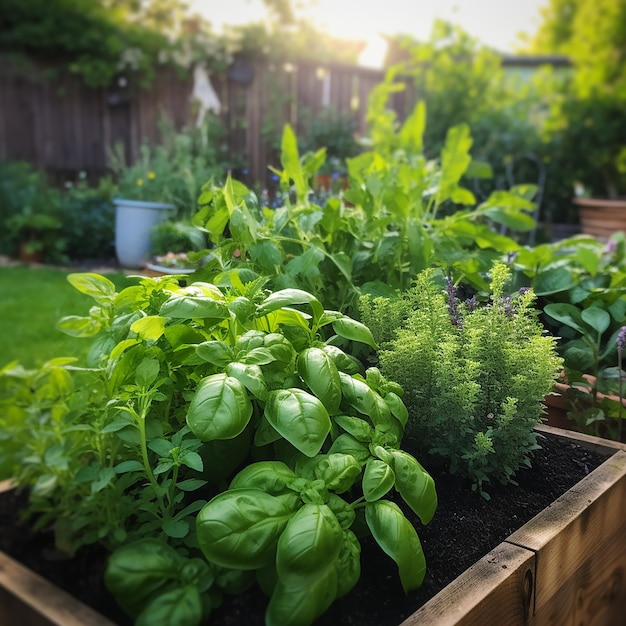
{"points": [[99, 39], [474, 374], [458, 78], [581, 284], [586, 144], [176, 237], [76, 221], [174, 170], [462, 81], [31, 213], [186, 388], [88, 219], [396, 218], [593, 34], [586, 128], [333, 130]]}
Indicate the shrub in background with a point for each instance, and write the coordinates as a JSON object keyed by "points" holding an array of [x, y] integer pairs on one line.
{"points": [[474, 373]]}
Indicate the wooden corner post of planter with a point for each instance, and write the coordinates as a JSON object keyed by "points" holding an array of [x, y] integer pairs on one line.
{"points": [[565, 566]]}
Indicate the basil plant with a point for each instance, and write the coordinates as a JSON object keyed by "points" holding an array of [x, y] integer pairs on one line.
{"points": [[262, 448]]}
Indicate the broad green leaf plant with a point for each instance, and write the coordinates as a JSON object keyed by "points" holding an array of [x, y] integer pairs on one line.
{"points": [[581, 286], [474, 372], [219, 435], [401, 214]]}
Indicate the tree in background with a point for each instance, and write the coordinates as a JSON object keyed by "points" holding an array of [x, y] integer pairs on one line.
{"points": [[587, 130], [463, 81], [98, 39], [593, 34]]}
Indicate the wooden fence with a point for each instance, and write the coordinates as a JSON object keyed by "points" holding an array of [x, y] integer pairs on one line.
{"points": [[52, 120]]}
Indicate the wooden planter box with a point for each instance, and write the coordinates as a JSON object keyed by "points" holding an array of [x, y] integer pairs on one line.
{"points": [[565, 566]]}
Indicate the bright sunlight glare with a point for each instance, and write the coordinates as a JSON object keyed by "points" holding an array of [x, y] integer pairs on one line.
{"points": [[496, 23]]}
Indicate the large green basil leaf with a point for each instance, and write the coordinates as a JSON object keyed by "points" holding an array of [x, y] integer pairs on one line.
{"points": [[181, 606], [347, 444], [242, 307], [397, 408], [188, 307], [139, 569], [338, 471], [355, 331], [301, 605], [360, 396], [415, 485], [344, 362], [219, 409], [378, 479], [257, 356], [149, 328], [395, 535], [78, 326], [240, 528], [217, 353], [357, 427], [348, 563], [320, 373], [300, 418], [98, 287], [250, 339], [309, 545], [250, 376], [289, 297], [280, 347], [269, 476]]}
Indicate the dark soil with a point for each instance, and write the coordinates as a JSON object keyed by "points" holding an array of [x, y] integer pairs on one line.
{"points": [[463, 530]]}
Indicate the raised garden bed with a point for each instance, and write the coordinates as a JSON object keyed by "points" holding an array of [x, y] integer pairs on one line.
{"points": [[563, 566]]}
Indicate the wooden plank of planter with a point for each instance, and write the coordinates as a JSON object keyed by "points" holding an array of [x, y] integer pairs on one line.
{"points": [[579, 542], [590, 442], [28, 599], [498, 589]]}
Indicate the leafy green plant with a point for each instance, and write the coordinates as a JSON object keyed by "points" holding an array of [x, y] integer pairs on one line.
{"points": [[88, 218], [232, 403], [396, 218], [474, 373], [99, 39], [174, 170], [581, 284], [333, 130], [38, 234], [177, 237]]}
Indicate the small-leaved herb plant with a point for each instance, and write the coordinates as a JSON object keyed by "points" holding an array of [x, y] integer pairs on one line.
{"points": [[217, 437], [474, 373]]}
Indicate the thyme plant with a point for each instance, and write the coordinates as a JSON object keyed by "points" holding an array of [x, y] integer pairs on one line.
{"points": [[474, 372]]}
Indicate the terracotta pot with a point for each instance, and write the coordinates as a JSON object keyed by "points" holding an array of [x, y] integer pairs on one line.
{"points": [[601, 217]]}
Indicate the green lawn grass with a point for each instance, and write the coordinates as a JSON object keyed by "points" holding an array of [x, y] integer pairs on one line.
{"points": [[32, 300]]}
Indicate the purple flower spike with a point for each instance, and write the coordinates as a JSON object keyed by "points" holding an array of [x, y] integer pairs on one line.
{"points": [[523, 290], [508, 306], [471, 303], [621, 338]]}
